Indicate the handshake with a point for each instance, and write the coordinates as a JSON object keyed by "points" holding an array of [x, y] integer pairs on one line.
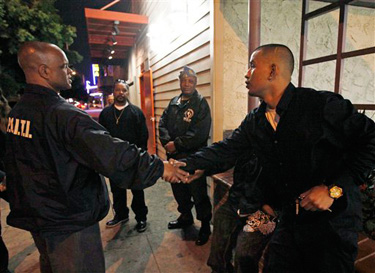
{"points": [[173, 174]]}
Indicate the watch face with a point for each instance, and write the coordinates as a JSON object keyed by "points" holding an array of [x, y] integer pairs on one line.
{"points": [[335, 192]]}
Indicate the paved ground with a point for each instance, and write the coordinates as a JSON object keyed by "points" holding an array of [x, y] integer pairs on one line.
{"points": [[157, 250]]}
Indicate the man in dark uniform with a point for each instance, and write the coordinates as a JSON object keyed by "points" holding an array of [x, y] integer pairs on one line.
{"points": [[184, 128], [54, 155], [127, 122], [314, 149]]}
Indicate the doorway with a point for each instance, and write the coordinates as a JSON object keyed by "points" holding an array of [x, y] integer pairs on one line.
{"points": [[147, 106]]}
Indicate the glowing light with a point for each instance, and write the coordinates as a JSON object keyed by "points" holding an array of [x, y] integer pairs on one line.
{"points": [[97, 94], [90, 87], [95, 72], [163, 33], [114, 42]]}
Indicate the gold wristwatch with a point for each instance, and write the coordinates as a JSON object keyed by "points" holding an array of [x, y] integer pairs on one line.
{"points": [[335, 192]]}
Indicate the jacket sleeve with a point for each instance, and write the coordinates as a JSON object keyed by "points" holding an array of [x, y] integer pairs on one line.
{"points": [[163, 130], [198, 131], [143, 131], [91, 145], [222, 152], [356, 136], [358, 132], [218, 168]]}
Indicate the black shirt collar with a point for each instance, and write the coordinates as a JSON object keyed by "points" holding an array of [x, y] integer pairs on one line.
{"points": [[283, 104], [40, 90]]}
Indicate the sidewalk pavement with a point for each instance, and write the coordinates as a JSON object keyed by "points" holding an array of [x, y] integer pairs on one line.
{"points": [[157, 250]]}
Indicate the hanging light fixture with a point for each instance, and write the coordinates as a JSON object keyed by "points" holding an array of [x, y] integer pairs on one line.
{"points": [[113, 39], [115, 30], [110, 50]]}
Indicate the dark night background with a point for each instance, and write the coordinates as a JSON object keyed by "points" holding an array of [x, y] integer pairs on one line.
{"points": [[72, 13]]}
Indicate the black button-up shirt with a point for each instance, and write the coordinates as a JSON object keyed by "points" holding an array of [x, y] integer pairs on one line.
{"points": [[320, 139]]}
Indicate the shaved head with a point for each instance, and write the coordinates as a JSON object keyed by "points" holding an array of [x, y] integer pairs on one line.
{"points": [[281, 54], [32, 54], [44, 64], [270, 71]]}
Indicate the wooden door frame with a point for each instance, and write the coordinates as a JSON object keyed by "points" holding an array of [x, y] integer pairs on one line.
{"points": [[143, 106]]}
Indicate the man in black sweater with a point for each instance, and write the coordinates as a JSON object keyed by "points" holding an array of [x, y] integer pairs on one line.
{"points": [[127, 122], [314, 149]]}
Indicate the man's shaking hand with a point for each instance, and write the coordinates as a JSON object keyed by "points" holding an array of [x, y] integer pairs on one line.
{"points": [[173, 174]]}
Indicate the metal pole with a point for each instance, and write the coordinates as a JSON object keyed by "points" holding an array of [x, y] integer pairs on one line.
{"points": [[254, 40]]}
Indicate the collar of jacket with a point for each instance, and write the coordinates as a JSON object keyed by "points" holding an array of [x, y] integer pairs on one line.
{"points": [[175, 99], [40, 90], [283, 104]]}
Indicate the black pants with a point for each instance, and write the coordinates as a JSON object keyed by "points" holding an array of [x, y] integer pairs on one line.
{"points": [[120, 203], [183, 193], [228, 235], [313, 247], [80, 251], [4, 256]]}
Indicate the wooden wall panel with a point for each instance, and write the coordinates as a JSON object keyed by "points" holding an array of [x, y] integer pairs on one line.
{"points": [[199, 41], [203, 89], [192, 57], [200, 66], [193, 48], [204, 77], [188, 35]]}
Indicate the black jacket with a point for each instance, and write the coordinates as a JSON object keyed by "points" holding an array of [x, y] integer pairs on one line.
{"points": [[247, 170], [320, 139], [187, 124], [131, 125], [55, 153]]}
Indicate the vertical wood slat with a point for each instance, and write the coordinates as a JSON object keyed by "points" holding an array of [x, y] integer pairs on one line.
{"points": [[340, 45], [303, 42], [254, 25], [217, 63], [254, 40]]}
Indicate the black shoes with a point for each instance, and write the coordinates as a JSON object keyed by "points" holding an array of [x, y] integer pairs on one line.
{"points": [[180, 224], [116, 221], [141, 226], [204, 234], [202, 239]]}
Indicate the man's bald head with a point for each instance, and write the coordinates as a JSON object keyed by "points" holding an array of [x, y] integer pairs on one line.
{"points": [[270, 70], [32, 54], [44, 64], [281, 54]]}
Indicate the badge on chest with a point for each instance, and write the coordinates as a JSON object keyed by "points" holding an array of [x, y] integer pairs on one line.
{"points": [[189, 113]]}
